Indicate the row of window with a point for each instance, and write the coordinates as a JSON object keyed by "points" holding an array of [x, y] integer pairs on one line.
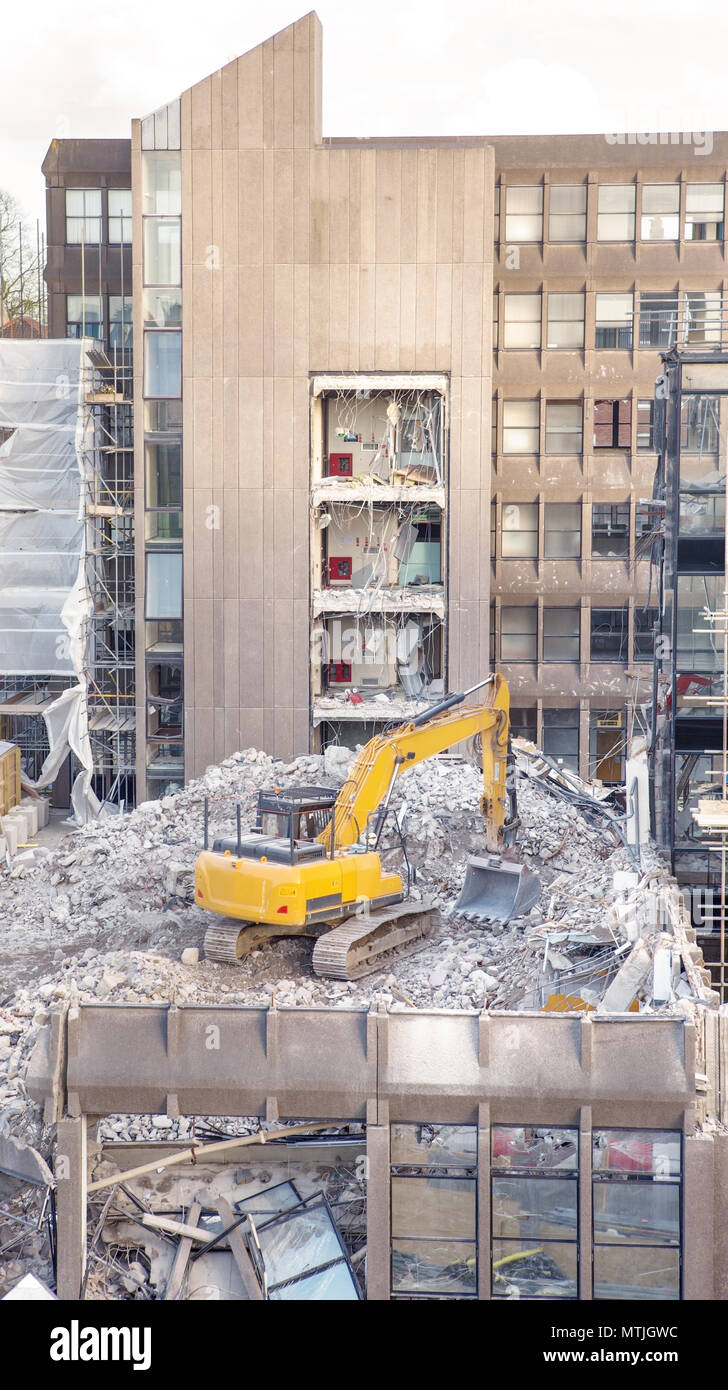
{"points": [[87, 316], [534, 1212], [562, 530], [563, 426], [660, 217], [84, 216], [693, 317], [561, 634]]}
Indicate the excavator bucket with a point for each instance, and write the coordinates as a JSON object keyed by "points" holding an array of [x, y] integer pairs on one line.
{"points": [[495, 890]]}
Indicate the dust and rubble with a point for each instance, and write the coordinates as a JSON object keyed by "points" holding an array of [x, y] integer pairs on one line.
{"points": [[109, 916]]}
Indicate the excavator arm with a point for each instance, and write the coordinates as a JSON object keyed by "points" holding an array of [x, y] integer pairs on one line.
{"points": [[386, 756]]}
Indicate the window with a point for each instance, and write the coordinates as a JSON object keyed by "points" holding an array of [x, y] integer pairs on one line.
{"points": [[565, 321], [164, 473], [563, 427], [83, 316], [697, 648], [609, 631], [661, 212], [561, 629], [522, 321], [699, 427], [658, 320], [614, 321], [701, 317], [524, 213], [615, 217], [519, 530], [433, 1192], [162, 251], [519, 634], [161, 183], [704, 212], [636, 1202], [120, 320], [496, 213], [610, 530], [562, 530], [524, 722], [567, 212], [612, 424], [644, 425], [534, 1204], [644, 636], [164, 584], [83, 216], [560, 739], [119, 216], [162, 364], [164, 699], [520, 427]]}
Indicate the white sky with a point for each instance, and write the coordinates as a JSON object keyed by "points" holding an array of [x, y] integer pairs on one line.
{"points": [[391, 67]]}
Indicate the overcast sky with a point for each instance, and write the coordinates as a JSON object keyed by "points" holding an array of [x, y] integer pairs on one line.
{"points": [[391, 67]]}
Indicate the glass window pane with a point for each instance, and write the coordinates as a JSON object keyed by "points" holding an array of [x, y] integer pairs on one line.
{"points": [[635, 1273], [616, 197], [524, 218], [565, 321], [161, 183], [563, 427], [120, 320], [162, 364], [654, 1151], [162, 251], [519, 619], [636, 1213], [298, 1242], [534, 1269], [434, 1208], [531, 1149], [567, 215], [164, 585], [525, 1208], [568, 197], [164, 473], [431, 1266], [441, 1146], [83, 316], [162, 308], [522, 321], [335, 1284], [519, 530], [661, 197]]}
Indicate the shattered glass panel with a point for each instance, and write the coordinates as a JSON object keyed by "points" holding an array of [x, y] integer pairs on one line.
{"points": [[333, 1284], [434, 1146], [653, 1151], [533, 1149], [631, 1273], [531, 1268], [434, 1266], [535, 1207], [297, 1243]]}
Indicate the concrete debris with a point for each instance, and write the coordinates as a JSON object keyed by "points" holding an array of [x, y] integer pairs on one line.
{"points": [[108, 915]]}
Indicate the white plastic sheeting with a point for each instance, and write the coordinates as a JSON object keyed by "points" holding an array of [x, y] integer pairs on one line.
{"points": [[44, 603]]}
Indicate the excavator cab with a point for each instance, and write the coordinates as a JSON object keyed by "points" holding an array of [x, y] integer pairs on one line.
{"points": [[286, 826]]}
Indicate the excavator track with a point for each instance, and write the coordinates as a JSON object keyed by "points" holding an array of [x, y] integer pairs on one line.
{"points": [[228, 940], [363, 945]]}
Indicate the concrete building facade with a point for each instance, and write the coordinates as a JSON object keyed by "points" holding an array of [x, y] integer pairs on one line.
{"points": [[394, 416]]}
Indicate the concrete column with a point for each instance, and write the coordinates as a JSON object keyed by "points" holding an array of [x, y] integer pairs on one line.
{"points": [[70, 1169], [378, 1208], [586, 1274], [720, 1217], [483, 1179], [698, 1218]]}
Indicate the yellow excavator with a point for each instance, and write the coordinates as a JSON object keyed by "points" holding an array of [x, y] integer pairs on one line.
{"points": [[311, 867]]}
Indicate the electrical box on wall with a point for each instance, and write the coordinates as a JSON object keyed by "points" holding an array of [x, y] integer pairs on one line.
{"points": [[341, 465], [339, 673], [339, 569]]}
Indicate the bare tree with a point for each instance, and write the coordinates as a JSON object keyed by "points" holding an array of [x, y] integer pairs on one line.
{"points": [[21, 273]]}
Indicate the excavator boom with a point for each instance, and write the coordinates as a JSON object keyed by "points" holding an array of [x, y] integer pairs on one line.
{"points": [[386, 756]]}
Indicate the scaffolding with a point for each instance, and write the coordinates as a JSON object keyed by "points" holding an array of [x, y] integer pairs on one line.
{"points": [[109, 636]]}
